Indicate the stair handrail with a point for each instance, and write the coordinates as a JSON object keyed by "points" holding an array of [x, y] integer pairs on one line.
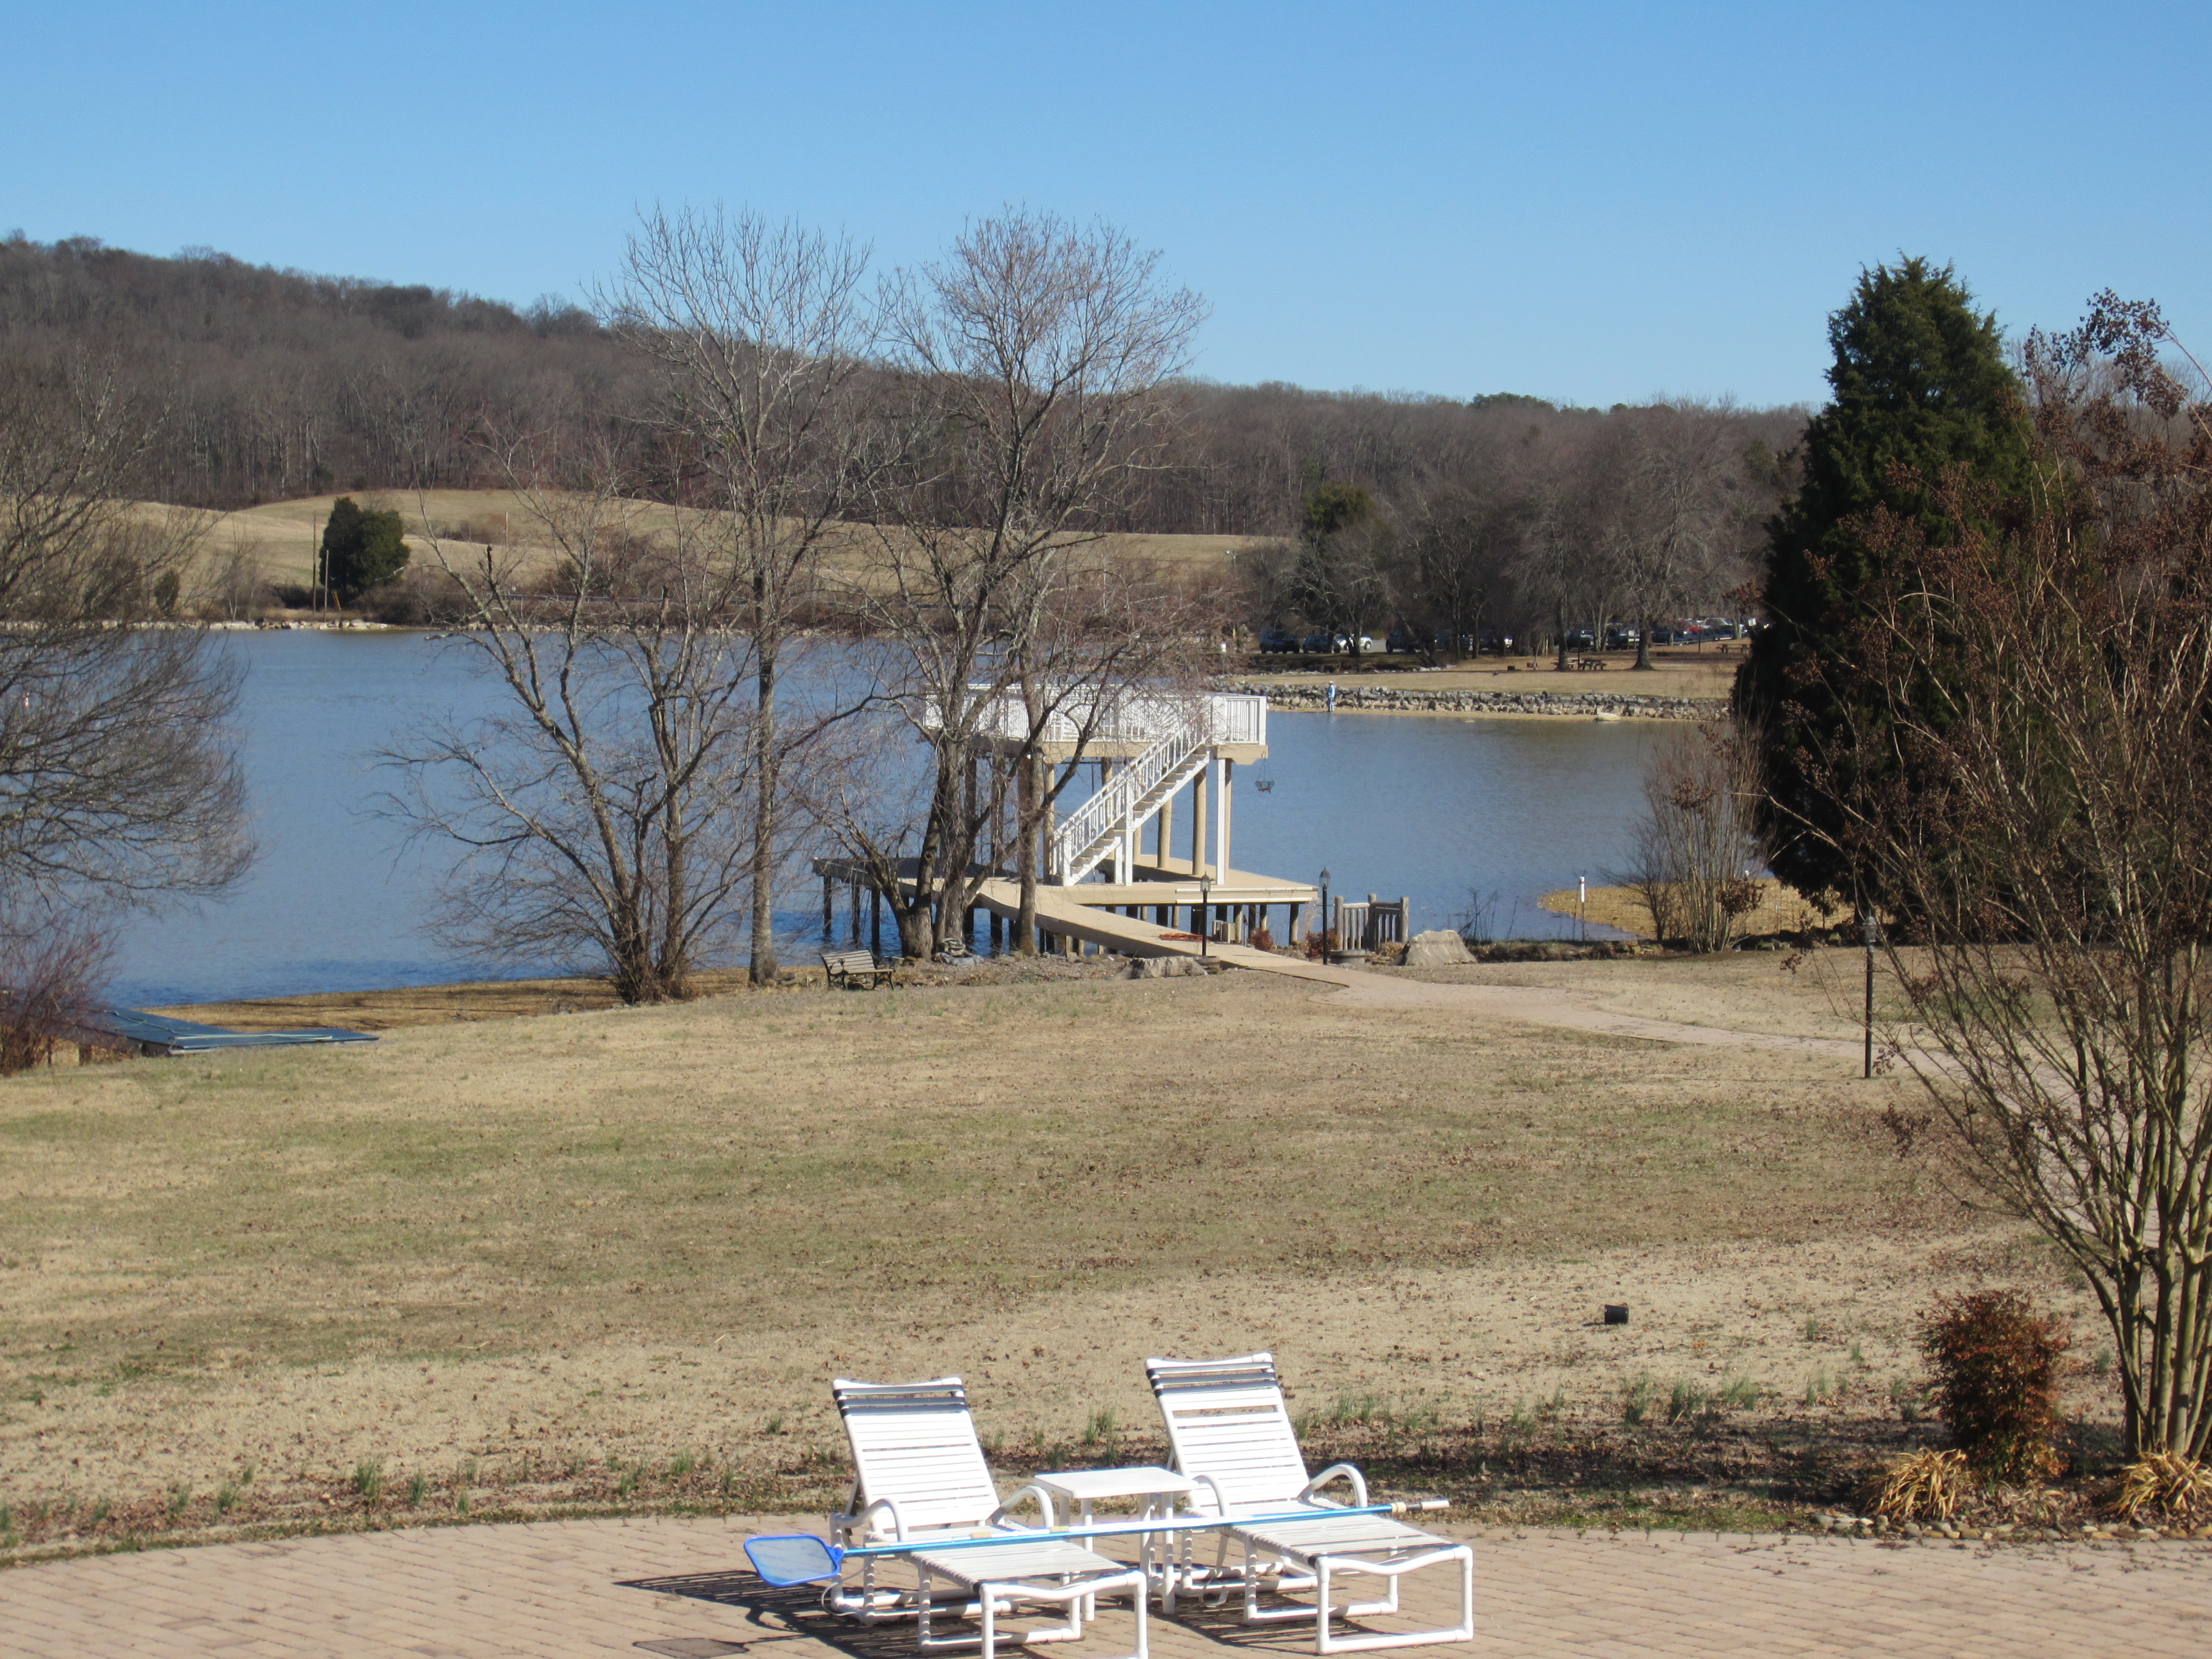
{"points": [[1128, 785]]}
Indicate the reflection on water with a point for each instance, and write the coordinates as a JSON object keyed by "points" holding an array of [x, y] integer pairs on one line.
{"points": [[1434, 809]]}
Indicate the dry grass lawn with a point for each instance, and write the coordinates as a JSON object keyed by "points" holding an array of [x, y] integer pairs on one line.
{"points": [[615, 1257]]}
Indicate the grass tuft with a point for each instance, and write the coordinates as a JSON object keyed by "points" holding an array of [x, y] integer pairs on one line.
{"points": [[1686, 1399], [1638, 1396], [2178, 1487], [1741, 1393], [368, 1480]]}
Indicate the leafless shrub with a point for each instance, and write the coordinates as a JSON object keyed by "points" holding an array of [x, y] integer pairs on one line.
{"points": [[1695, 845], [51, 971]]}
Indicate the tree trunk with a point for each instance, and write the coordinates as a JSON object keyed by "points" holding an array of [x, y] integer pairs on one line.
{"points": [[1643, 643], [763, 968], [1560, 618], [1027, 830]]}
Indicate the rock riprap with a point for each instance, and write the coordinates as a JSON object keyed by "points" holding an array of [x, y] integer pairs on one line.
{"points": [[1618, 705]]}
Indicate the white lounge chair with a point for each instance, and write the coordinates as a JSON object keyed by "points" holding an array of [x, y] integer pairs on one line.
{"points": [[1232, 1436], [920, 1477]]}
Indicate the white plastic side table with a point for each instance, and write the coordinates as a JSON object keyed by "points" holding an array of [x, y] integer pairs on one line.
{"points": [[1158, 1487]]}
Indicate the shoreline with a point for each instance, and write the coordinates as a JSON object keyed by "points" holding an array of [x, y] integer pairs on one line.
{"points": [[1534, 704]]}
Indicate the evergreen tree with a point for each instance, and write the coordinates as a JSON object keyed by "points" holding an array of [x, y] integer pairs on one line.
{"points": [[1921, 388], [361, 548]]}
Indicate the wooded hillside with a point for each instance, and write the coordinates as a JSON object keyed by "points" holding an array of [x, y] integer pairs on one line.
{"points": [[280, 385]]}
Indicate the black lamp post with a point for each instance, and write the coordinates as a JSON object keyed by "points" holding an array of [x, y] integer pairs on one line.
{"points": [[1205, 910], [1324, 909]]}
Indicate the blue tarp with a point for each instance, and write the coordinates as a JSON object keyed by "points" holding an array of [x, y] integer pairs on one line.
{"points": [[185, 1036]]}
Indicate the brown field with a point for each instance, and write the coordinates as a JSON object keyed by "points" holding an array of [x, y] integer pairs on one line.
{"points": [[611, 1258], [281, 536], [1781, 909]]}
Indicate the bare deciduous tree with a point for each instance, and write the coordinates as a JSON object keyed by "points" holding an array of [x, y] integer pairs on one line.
{"points": [[118, 781], [605, 811], [1032, 361], [2042, 681], [760, 333]]}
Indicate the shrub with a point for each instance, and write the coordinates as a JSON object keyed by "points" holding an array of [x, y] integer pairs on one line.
{"points": [[1996, 1365], [1929, 1483], [1263, 940], [2177, 1487]]}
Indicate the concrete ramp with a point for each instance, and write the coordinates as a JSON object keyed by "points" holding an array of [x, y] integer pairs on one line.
{"points": [[1129, 937]]}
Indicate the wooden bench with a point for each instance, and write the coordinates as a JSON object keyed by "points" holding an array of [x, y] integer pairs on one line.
{"points": [[852, 968], [1589, 662]]}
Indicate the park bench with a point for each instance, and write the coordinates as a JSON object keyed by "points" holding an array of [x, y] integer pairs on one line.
{"points": [[1589, 662], [852, 968]]}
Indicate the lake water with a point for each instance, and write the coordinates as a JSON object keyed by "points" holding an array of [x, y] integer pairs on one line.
{"points": [[1439, 809]]}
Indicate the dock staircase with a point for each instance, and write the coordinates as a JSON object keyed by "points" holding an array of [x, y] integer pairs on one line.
{"points": [[1107, 824]]}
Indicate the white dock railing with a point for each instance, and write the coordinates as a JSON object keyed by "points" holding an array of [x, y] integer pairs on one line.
{"points": [[1220, 717]]}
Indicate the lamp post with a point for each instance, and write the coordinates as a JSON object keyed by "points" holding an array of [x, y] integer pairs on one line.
{"points": [[1324, 909], [1206, 906], [1872, 929]]}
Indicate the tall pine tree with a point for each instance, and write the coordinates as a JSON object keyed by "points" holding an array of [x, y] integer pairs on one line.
{"points": [[1921, 387]]}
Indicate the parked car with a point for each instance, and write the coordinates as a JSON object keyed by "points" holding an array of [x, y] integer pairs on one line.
{"points": [[1277, 639], [1617, 638], [1581, 638], [1321, 645]]}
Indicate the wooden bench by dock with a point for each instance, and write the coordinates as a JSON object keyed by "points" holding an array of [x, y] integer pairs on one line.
{"points": [[856, 968]]}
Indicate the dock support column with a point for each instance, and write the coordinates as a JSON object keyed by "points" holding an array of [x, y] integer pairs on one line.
{"points": [[1198, 802], [852, 903], [1166, 831], [876, 926], [829, 908], [1221, 865]]}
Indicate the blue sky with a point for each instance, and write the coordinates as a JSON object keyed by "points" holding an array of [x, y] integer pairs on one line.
{"points": [[1587, 202]]}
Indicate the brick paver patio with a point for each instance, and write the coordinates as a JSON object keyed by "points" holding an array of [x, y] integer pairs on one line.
{"points": [[678, 1588]]}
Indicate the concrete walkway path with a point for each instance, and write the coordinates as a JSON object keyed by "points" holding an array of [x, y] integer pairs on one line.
{"points": [[1577, 1010], [678, 1588]]}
